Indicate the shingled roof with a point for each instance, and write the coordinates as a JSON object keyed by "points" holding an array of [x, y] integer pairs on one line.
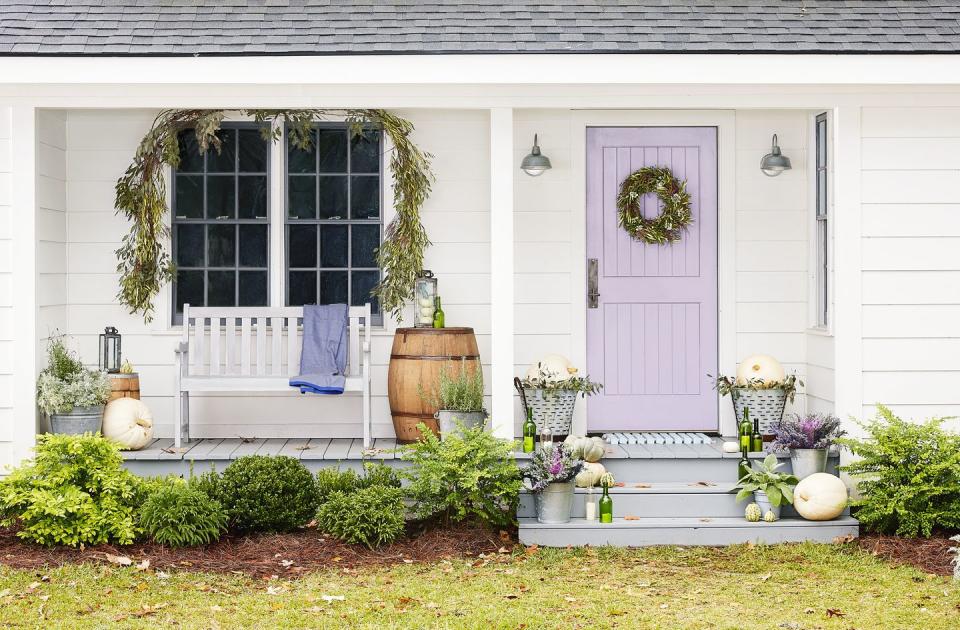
{"points": [[356, 27]]}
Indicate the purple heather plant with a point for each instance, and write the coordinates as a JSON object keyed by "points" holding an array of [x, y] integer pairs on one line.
{"points": [[554, 463], [813, 430]]}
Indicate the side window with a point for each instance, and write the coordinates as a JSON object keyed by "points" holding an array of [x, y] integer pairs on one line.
{"points": [[333, 218], [221, 221], [822, 218]]}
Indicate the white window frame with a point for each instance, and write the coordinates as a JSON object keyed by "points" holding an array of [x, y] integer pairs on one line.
{"points": [[820, 296]]}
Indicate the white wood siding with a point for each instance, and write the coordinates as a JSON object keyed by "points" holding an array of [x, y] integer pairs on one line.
{"points": [[911, 266], [6, 289], [99, 146]]}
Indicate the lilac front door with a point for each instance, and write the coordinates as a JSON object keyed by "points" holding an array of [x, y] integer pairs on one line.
{"points": [[652, 337]]}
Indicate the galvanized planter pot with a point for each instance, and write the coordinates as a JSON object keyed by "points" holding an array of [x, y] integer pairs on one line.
{"points": [[77, 421], [450, 421], [555, 502], [766, 405], [552, 408], [764, 502], [807, 461]]}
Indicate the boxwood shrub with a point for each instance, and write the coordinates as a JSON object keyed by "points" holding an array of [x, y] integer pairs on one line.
{"points": [[370, 516], [267, 493], [179, 515]]}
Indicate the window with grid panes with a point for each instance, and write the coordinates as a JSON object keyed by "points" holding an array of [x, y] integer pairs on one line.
{"points": [[333, 218], [220, 225], [823, 238]]}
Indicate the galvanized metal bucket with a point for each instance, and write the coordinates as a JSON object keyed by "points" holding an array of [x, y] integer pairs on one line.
{"points": [[766, 405], [765, 506], [451, 421], [77, 421], [552, 408], [555, 502], [807, 461]]}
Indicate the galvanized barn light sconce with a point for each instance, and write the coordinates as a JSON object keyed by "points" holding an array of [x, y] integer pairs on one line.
{"points": [[774, 163], [534, 164]]}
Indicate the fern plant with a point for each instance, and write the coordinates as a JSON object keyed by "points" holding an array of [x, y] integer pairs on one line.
{"points": [[469, 475], [908, 475]]}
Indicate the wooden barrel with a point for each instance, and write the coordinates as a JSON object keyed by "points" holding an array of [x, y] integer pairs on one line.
{"points": [[418, 356], [124, 386]]}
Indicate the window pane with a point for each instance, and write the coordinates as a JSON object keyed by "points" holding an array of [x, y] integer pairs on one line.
{"points": [[821, 193], [332, 146], [333, 246], [302, 245], [303, 199], [253, 151], [191, 160], [333, 287], [821, 143], [253, 197], [365, 240], [226, 160], [189, 289], [253, 288], [365, 152], [188, 201], [333, 197], [253, 246], [221, 288], [301, 160], [221, 197], [302, 288], [221, 240], [364, 197], [190, 245], [363, 283]]}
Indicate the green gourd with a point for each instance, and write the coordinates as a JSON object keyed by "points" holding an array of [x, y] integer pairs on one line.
{"points": [[770, 517], [753, 513]]}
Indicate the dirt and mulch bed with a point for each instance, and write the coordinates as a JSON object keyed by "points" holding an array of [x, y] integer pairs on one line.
{"points": [[927, 554], [266, 555]]}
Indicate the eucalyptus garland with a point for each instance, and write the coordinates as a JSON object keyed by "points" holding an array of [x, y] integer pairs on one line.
{"points": [[145, 265], [673, 219]]}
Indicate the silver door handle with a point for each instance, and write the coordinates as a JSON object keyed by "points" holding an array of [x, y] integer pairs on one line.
{"points": [[593, 283]]}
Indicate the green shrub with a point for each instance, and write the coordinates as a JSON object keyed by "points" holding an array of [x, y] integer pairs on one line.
{"points": [[463, 392], [370, 516], [470, 475], [74, 492], [379, 475], [908, 474], [179, 515], [330, 480], [271, 494], [208, 483]]}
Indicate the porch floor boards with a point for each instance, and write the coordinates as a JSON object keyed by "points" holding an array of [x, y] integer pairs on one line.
{"points": [[228, 449]]}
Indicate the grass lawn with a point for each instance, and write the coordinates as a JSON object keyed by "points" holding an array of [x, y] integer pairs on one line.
{"points": [[790, 586]]}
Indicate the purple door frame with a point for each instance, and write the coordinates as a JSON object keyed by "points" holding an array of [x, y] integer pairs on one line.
{"points": [[653, 337]]}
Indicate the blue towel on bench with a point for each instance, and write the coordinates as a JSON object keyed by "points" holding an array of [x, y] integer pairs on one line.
{"points": [[323, 359]]}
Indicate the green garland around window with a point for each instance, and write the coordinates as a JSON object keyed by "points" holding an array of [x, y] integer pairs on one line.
{"points": [[145, 265]]}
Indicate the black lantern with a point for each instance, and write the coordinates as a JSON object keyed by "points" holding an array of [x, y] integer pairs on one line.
{"points": [[110, 350]]}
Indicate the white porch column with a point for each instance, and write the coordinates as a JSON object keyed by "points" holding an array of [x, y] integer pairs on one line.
{"points": [[847, 265], [501, 270], [22, 260]]}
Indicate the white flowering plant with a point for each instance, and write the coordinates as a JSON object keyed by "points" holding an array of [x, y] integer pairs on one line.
{"points": [[65, 383]]}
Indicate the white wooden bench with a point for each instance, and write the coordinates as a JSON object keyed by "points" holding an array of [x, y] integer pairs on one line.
{"points": [[210, 359]]}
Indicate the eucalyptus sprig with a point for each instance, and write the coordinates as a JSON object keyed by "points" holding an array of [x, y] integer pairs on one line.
{"points": [[145, 265], [727, 386]]}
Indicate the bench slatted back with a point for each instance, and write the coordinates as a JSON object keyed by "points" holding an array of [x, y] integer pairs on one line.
{"points": [[268, 343]]}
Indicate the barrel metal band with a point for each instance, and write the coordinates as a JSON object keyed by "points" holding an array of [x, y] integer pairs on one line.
{"points": [[447, 357]]}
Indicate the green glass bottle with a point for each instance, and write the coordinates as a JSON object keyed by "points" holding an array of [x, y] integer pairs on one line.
{"points": [[756, 440], [438, 317], [743, 467], [606, 506], [744, 430], [529, 432]]}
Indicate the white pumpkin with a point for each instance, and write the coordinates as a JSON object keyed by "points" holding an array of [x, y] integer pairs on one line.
{"points": [[552, 368], [590, 475], [820, 497], [759, 366], [731, 447], [129, 422]]}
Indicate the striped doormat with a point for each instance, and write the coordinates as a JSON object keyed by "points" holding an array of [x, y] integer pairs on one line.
{"points": [[650, 437]]}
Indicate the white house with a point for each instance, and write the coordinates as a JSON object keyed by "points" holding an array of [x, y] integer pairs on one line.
{"points": [[845, 267]]}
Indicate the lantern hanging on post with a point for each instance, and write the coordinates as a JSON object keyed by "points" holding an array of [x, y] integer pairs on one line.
{"points": [[110, 350], [425, 293]]}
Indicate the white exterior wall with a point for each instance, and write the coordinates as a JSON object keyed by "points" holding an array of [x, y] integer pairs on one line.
{"points": [[7, 416], [911, 260], [99, 147], [52, 298]]}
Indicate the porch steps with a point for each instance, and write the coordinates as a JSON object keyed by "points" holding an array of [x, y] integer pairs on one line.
{"points": [[685, 531]]}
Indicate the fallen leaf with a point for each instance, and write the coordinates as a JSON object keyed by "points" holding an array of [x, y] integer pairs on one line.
{"points": [[511, 596], [619, 484], [706, 520], [840, 540], [642, 485], [162, 575], [275, 590], [246, 440], [570, 599], [702, 484], [286, 563], [809, 611], [835, 612], [532, 549], [303, 447], [215, 608], [4, 592], [123, 561], [332, 598], [174, 451], [631, 517], [407, 561], [664, 606], [143, 566], [503, 550], [764, 578]]}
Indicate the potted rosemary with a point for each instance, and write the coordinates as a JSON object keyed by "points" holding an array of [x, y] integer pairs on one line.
{"points": [[551, 473], [770, 489], [808, 439], [550, 389], [459, 400], [71, 395]]}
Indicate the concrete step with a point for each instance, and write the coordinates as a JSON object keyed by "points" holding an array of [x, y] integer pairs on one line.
{"points": [[645, 532], [660, 500]]}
